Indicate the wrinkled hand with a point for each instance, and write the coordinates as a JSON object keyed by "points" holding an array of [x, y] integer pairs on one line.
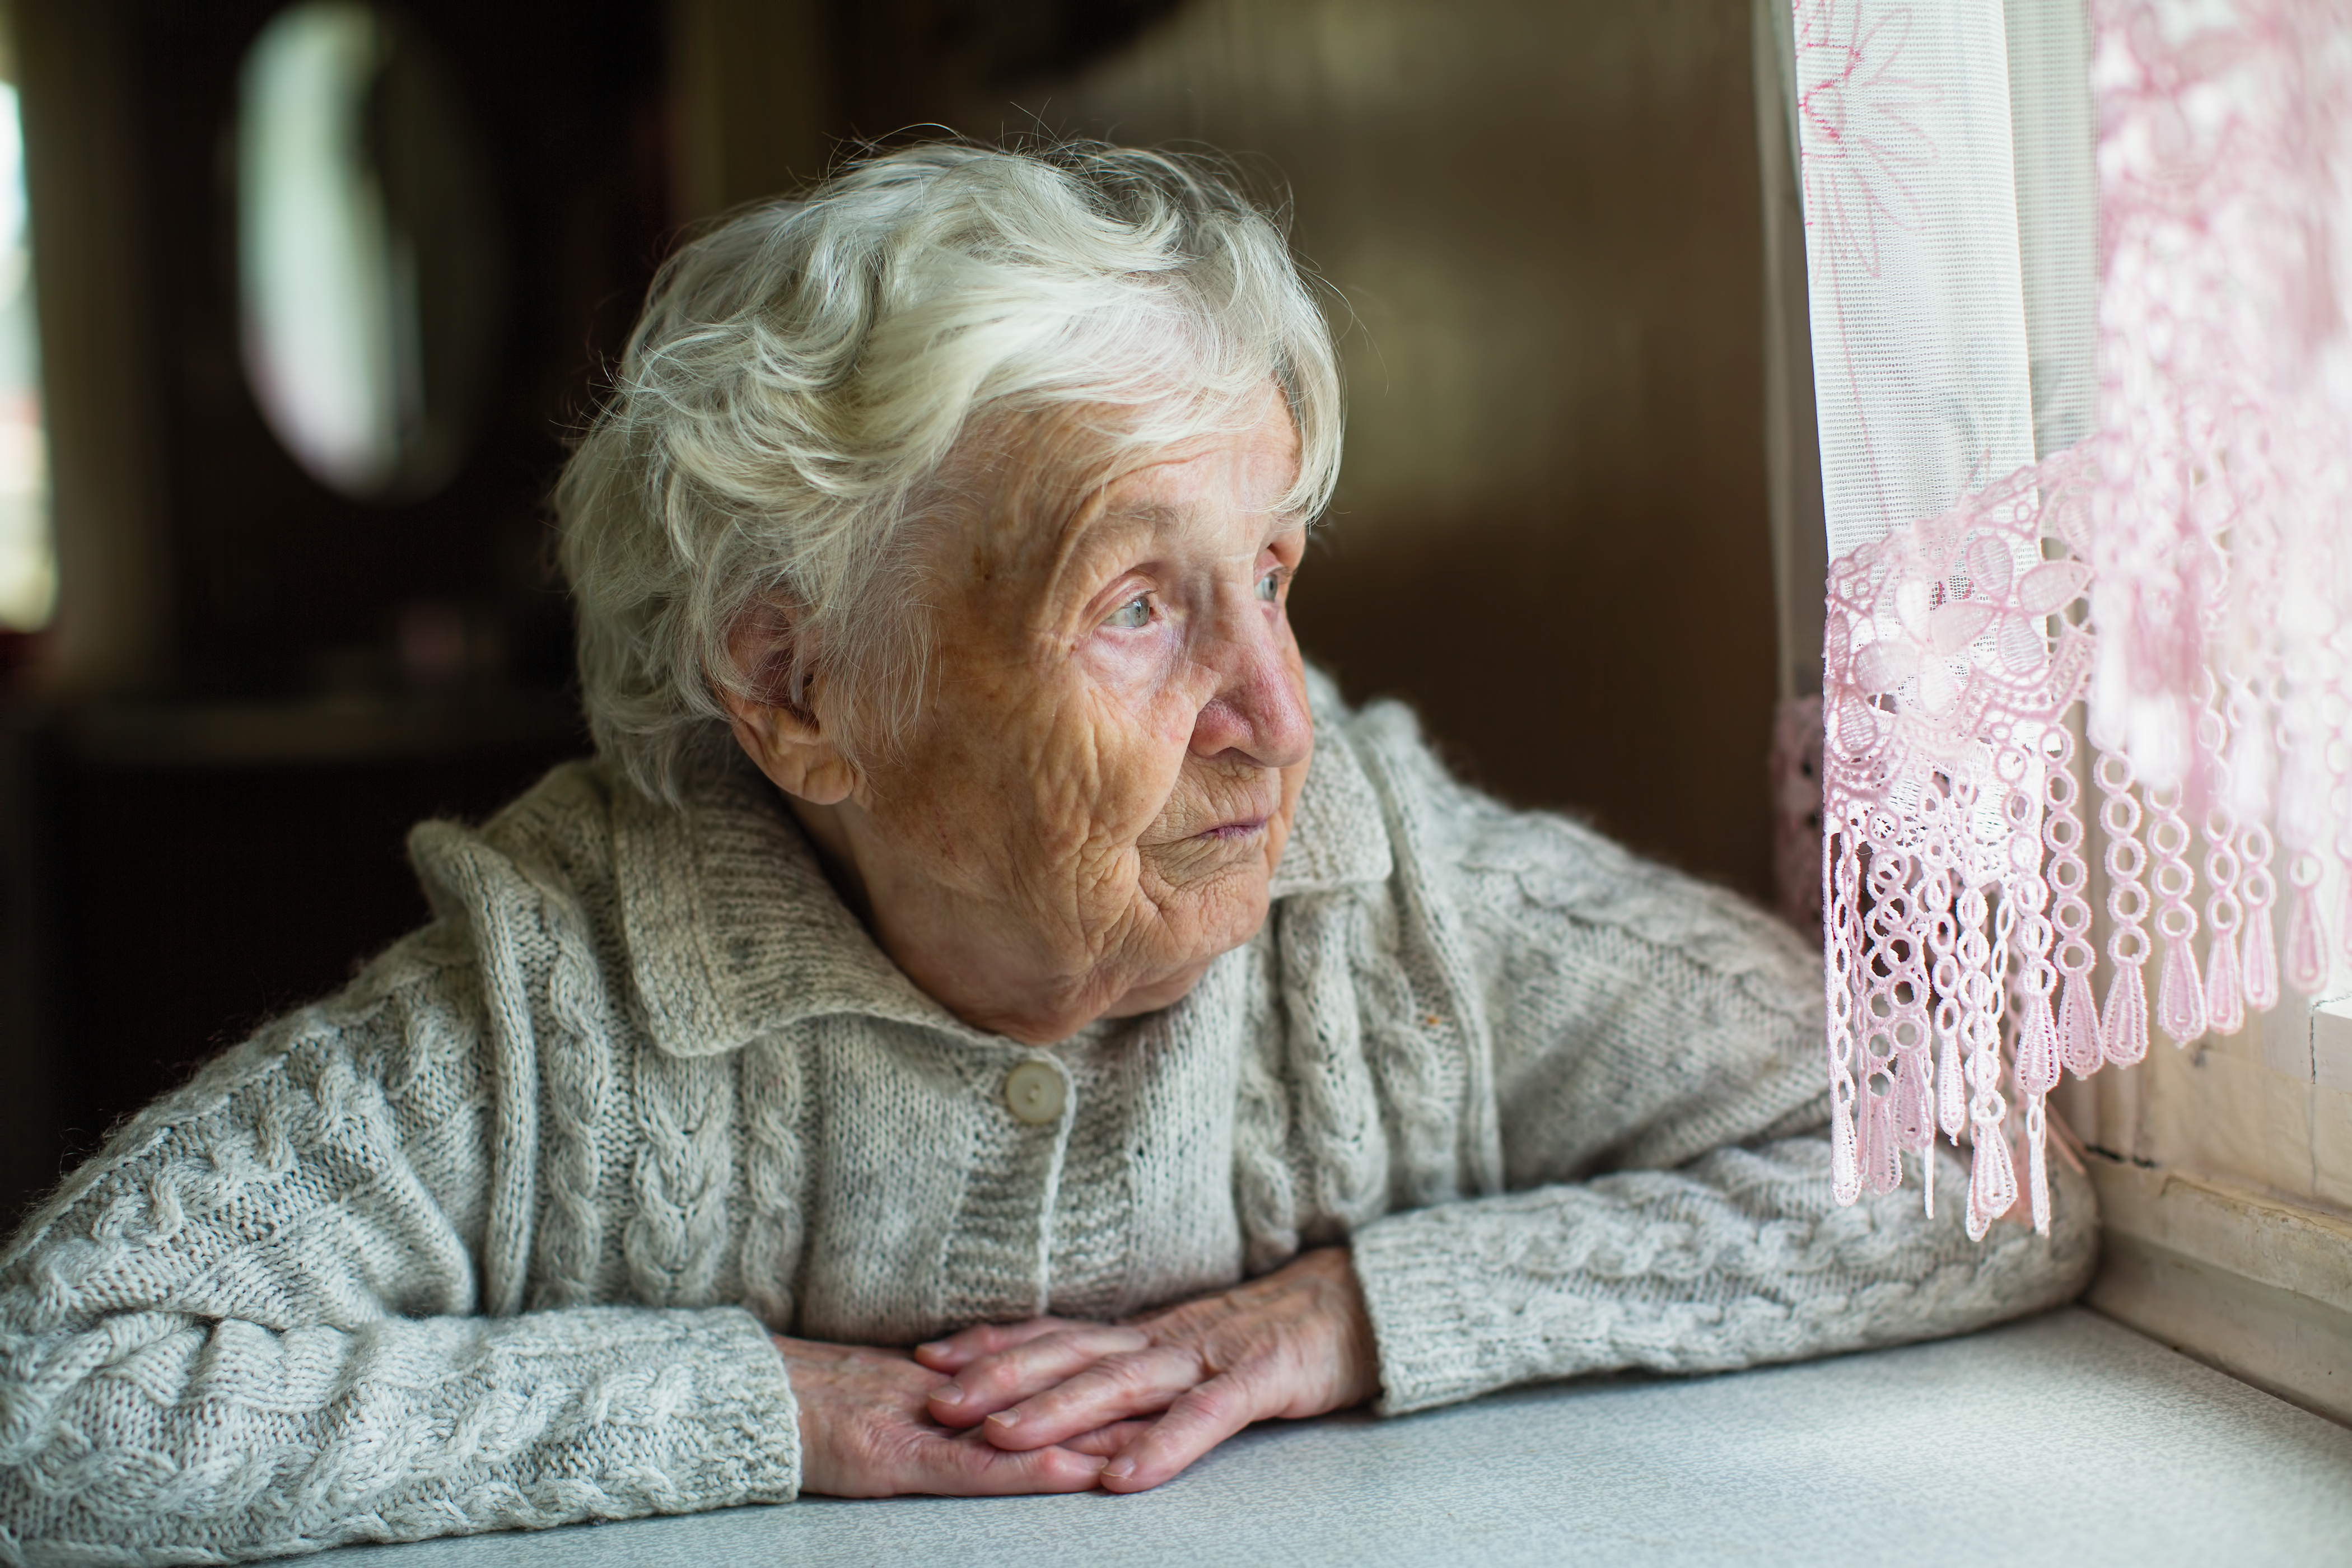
{"points": [[866, 1432], [1295, 1343]]}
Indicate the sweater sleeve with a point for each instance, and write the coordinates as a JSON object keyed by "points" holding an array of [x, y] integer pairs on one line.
{"points": [[1659, 1097], [250, 1327]]}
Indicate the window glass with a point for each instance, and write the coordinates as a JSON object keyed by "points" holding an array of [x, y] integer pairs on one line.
{"points": [[367, 262], [28, 567]]}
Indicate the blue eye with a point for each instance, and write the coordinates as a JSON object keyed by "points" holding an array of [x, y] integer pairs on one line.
{"points": [[1133, 616], [1269, 587]]}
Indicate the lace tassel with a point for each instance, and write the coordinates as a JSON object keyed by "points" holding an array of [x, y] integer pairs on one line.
{"points": [[1951, 1097], [1914, 1100], [2078, 1028], [1882, 1155], [2225, 993], [1840, 899], [2258, 966], [2037, 1163], [2125, 1024], [2306, 946], [2037, 1049], [1992, 1180], [1846, 1162], [2180, 996], [2259, 970]]}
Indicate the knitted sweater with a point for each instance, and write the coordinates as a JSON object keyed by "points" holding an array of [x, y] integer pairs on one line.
{"points": [[496, 1236]]}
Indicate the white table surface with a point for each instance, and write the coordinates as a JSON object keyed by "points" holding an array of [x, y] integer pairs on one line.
{"points": [[2067, 1438]]}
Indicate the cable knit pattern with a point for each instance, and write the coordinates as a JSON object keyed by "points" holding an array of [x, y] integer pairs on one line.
{"points": [[1737, 1258], [493, 1237], [771, 1097]]}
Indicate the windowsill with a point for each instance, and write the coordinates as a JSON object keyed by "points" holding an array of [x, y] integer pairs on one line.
{"points": [[2243, 1278], [2065, 1438]]}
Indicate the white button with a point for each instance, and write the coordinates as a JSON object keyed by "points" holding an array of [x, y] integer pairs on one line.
{"points": [[1034, 1092]]}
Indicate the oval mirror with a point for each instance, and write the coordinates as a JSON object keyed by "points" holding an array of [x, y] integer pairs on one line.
{"points": [[367, 255]]}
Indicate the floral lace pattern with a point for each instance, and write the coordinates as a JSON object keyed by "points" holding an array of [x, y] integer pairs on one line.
{"points": [[2179, 584]]}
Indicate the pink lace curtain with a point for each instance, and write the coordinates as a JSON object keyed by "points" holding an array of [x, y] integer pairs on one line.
{"points": [[2078, 285]]}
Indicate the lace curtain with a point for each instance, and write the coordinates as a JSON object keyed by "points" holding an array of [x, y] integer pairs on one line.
{"points": [[2077, 283]]}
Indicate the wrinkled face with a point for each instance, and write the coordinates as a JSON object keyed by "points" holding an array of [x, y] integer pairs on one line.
{"points": [[1112, 747]]}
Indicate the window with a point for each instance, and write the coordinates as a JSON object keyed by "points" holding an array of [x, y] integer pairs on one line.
{"points": [[28, 566], [367, 264]]}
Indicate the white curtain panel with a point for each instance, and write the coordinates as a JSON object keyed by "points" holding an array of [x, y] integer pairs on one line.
{"points": [[1793, 482], [2076, 281]]}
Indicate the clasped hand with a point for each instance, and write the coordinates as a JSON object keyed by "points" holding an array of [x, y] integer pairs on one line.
{"points": [[1053, 1405]]}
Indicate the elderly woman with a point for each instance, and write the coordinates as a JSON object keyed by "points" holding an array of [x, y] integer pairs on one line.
{"points": [[989, 1019]]}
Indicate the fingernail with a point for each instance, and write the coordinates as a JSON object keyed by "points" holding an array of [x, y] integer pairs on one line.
{"points": [[1118, 1469], [1005, 1420], [948, 1393]]}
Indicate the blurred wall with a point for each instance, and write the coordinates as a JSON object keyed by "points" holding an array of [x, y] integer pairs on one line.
{"points": [[254, 686], [1539, 219]]}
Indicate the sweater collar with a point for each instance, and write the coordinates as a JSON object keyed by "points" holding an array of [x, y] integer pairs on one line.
{"points": [[733, 931], [1339, 835]]}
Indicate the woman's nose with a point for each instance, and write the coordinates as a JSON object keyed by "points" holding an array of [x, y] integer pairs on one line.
{"points": [[1258, 709]]}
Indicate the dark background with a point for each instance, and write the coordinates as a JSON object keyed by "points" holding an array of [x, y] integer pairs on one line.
{"points": [[1538, 219]]}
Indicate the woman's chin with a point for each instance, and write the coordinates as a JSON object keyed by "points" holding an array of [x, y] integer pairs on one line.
{"points": [[1225, 915]]}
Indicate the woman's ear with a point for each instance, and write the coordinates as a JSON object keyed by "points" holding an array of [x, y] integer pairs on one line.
{"points": [[787, 738]]}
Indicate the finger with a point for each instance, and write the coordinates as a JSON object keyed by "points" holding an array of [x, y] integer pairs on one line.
{"points": [[963, 1467], [1197, 1421], [1104, 1442], [1008, 1377], [959, 1351], [1141, 1382]]}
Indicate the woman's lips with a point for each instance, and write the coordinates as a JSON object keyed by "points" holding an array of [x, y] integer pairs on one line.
{"points": [[1233, 811]]}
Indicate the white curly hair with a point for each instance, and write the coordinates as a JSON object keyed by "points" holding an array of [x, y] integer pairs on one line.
{"points": [[803, 372]]}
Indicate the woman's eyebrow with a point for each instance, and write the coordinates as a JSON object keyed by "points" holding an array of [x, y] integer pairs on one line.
{"points": [[1087, 537]]}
